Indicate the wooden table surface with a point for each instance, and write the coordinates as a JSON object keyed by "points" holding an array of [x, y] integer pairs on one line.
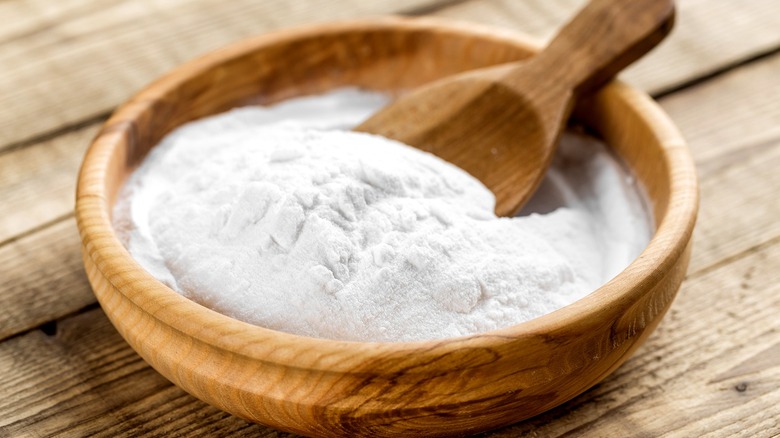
{"points": [[711, 368]]}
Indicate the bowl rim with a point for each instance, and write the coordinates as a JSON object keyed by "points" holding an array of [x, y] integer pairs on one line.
{"points": [[101, 244]]}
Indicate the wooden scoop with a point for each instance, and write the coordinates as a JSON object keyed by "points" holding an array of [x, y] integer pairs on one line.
{"points": [[501, 124]]}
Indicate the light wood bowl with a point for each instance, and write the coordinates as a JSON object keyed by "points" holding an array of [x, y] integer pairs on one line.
{"points": [[324, 387]]}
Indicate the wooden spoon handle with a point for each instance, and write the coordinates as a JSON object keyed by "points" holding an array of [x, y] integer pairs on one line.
{"points": [[602, 39]]}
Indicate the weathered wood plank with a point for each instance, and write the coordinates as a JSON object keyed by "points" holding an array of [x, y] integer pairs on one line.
{"points": [[538, 18], [85, 380], [79, 59], [38, 183], [709, 35], [42, 278], [739, 208], [738, 108], [732, 124]]}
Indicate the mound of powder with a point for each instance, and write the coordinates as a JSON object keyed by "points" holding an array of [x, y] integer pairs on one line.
{"points": [[343, 235]]}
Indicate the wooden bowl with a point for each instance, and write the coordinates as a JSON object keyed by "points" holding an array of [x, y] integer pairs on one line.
{"points": [[325, 387]]}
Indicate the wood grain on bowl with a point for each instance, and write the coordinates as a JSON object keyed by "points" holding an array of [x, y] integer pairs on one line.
{"points": [[325, 387]]}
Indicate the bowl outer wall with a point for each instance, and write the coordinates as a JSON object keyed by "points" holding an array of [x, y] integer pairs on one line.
{"points": [[326, 387]]}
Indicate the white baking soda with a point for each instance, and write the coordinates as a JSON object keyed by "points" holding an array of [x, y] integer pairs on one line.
{"points": [[280, 217]]}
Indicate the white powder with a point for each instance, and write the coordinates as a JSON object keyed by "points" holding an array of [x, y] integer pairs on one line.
{"points": [[305, 228]]}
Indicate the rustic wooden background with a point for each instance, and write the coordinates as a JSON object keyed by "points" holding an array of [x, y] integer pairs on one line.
{"points": [[711, 368]]}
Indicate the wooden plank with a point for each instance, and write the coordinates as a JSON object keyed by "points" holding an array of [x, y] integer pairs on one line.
{"points": [[732, 124], [713, 366], [739, 209], [38, 183], [738, 108], [85, 380], [81, 58], [709, 35], [537, 18], [42, 278]]}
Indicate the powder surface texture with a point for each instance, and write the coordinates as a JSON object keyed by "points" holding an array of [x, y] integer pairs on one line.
{"points": [[280, 218]]}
